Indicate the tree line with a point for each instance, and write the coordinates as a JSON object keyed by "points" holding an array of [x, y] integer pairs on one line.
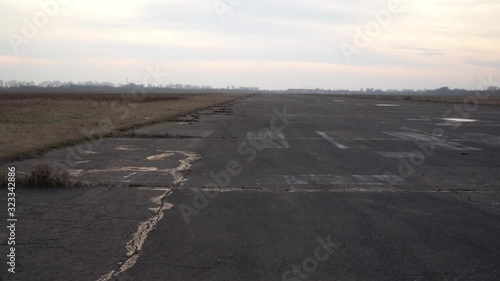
{"points": [[95, 84]]}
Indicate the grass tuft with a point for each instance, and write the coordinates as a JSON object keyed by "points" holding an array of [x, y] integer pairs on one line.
{"points": [[41, 176]]}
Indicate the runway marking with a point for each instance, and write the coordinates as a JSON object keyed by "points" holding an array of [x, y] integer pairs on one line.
{"points": [[455, 121], [275, 140], [469, 122], [459, 120], [438, 142], [482, 138], [479, 124], [340, 190], [419, 119], [353, 138], [375, 180], [319, 156], [387, 104], [396, 154], [207, 133], [281, 141], [331, 140]]}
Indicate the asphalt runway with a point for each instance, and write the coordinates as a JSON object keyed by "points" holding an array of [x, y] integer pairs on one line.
{"points": [[332, 169], [310, 187]]}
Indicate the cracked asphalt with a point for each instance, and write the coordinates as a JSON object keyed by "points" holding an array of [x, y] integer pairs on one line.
{"points": [[276, 187]]}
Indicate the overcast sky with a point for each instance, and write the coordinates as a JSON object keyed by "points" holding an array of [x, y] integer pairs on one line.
{"points": [[274, 44]]}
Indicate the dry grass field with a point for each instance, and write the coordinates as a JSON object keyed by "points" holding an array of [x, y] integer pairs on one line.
{"points": [[34, 123]]}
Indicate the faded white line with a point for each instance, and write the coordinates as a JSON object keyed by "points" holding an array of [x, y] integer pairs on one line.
{"points": [[396, 154], [332, 140], [387, 105], [341, 190], [207, 133], [276, 140], [280, 141], [419, 119], [319, 156], [479, 124], [341, 179], [463, 124], [345, 138], [432, 140], [459, 120], [482, 138]]}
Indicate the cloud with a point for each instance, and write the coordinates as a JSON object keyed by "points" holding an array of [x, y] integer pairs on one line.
{"points": [[423, 51], [493, 63], [113, 39]]}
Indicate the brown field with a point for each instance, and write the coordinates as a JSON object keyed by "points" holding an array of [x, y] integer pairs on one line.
{"points": [[31, 124], [492, 101]]}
